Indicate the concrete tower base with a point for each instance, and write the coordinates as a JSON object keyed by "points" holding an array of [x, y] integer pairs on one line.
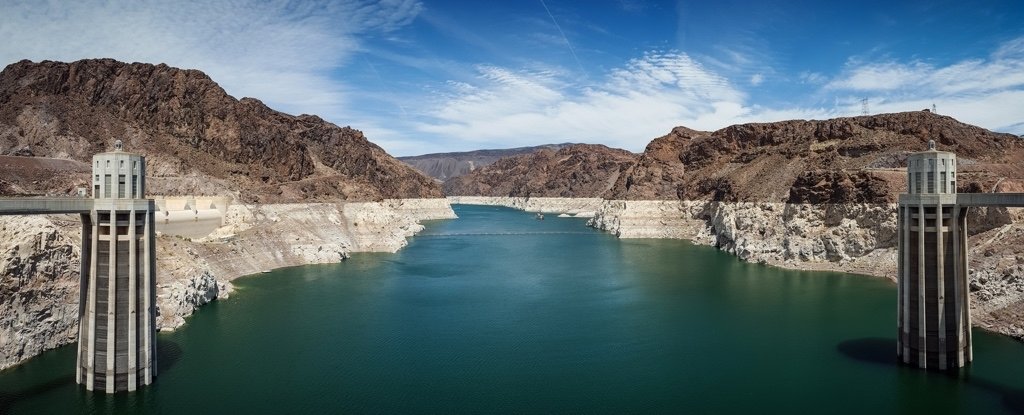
{"points": [[934, 302], [117, 310]]}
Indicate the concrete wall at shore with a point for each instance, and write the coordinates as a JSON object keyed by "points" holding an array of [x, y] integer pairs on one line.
{"points": [[190, 216], [193, 203]]}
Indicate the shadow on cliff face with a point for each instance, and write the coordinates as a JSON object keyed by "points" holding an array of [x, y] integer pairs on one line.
{"points": [[168, 354], [882, 351]]}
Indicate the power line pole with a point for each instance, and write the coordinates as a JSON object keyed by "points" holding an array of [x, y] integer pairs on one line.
{"points": [[864, 106]]}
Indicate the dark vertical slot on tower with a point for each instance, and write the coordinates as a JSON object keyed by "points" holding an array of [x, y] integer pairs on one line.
{"points": [[140, 315], [949, 284], [151, 313], [901, 340], [121, 314], [83, 293], [102, 285], [121, 184], [931, 287], [913, 291]]}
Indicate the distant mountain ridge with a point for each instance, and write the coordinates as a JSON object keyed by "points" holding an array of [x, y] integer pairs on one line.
{"points": [[841, 160], [444, 166], [196, 137], [578, 170]]}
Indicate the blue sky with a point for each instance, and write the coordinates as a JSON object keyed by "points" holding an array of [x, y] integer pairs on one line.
{"points": [[422, 76]]}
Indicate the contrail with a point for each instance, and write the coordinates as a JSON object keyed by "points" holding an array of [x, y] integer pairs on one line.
{"points": [[566, 38], [380, 79]]}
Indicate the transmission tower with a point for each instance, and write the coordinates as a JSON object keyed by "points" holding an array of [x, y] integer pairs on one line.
{"points": [[934, 111], [864, 106]]}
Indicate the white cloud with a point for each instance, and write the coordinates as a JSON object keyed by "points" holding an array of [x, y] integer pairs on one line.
{"points": [[986, 92], [879, 77], [813, 78], [648, 96], [278, 51], [631, 105]]}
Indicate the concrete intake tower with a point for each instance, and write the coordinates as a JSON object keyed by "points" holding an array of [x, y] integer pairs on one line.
{"points": [[117, 304], [934, 303]]}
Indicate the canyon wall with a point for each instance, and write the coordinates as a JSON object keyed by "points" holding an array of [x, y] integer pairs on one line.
{"points": [[844, 237], [39, 259], [858, 238]]}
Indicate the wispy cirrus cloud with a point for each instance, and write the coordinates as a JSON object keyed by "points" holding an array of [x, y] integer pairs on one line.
{"points": [[987, 91], [649, 95], [278, 51], [630, 105]]}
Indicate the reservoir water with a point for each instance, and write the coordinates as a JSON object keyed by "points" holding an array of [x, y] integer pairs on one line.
{"points": [[497, 312]]}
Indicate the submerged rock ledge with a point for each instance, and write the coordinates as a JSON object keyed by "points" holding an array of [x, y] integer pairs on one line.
{"points": [[39, 260], [857, 238]]}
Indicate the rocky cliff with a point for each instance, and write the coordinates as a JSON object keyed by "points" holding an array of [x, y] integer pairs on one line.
{"points": [[444, 166], [38, 285], [842, 160], [197, 138], [579, 170]]}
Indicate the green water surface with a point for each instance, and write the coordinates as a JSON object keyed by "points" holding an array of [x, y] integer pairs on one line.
{"points": [[497, 312]]}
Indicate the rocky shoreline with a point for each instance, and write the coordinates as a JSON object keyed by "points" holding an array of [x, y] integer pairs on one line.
{"points": [[584, 207], [858, 238], [39, 260]]}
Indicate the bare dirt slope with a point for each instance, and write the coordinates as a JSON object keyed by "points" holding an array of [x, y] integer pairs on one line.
{"points": [[197, 138]]}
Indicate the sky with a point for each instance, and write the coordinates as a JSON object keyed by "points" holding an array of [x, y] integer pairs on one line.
{"points": [[425, 76]]}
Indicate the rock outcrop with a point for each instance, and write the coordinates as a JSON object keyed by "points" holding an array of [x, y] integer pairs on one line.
{"points": [[579, 170], [842, 160], [38, 285], [197, 138]]}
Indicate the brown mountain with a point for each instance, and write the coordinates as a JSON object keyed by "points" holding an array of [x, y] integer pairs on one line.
{"points": [[579, 170], [197, 138], [853, 159], [444, 166]]}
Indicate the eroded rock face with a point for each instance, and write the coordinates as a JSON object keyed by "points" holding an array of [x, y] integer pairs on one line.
{"points": [[579, 170], [197, 139], [840, 160], [39, 275], [180, 298]]}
